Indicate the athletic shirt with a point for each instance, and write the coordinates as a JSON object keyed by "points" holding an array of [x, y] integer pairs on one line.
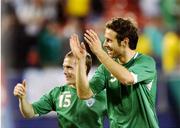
{"points": [[130, 106], [71, 111]]}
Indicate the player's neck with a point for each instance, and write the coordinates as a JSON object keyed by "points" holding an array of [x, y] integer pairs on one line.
{"points": [[127, 56], [72, 86]]}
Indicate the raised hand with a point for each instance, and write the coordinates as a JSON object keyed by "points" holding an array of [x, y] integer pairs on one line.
{"points": [[93, 41], [20, 90], [78, 49]]}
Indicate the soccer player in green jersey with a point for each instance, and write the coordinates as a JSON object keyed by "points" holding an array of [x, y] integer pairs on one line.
{"points": [[72, 112], [130, 78]]}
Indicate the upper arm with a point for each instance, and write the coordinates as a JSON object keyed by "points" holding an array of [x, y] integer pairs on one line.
{"points": [[43, 105], [97, 83]]}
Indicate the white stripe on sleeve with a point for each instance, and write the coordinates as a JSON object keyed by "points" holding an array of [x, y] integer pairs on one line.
{"points": [[135, 77]]}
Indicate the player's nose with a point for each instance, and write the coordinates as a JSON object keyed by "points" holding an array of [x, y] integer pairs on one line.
{"points": [[105, 44], [65, 71]]}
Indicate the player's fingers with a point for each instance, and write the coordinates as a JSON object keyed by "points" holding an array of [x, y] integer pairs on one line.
{"points": [[15, 92], [83, 46], [72, 44], [77, 40], [73, 41], [19, 93], [93, 33], [24, 83], [89, 37], [20, 88], [87, 41]]}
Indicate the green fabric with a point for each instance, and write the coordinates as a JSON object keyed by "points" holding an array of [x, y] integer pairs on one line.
{"points": [[71, 111], [130, 106]]}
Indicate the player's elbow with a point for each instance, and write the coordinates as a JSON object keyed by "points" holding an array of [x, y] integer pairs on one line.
{"points": [[128, 81], [84, 97], [84, 94], [27, 116]]}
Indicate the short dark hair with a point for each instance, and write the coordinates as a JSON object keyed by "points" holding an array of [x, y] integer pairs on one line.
{"points": [[88, 60], [124, 28]]}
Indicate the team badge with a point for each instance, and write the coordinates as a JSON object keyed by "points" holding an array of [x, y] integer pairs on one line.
{"points": [[90, 102]]}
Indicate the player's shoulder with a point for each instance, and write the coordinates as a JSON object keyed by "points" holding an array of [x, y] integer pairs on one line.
{"points": [[145, 58], [58, 88]]}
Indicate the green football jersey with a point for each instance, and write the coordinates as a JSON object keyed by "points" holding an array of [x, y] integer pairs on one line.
{"points": [[130, 106], [71, 111]]}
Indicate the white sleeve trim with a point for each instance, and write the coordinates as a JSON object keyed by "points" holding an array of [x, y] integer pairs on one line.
{"points": [[135, 77], [149, 86], [36, 115]]}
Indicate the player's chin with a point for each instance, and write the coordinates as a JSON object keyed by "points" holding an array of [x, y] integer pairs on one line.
{"points": [[70, 82]]}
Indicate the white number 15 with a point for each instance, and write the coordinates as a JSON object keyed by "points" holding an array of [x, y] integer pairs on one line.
{"points": [[64, 100]]}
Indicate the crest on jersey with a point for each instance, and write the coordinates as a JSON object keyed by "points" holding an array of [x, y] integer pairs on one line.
{"points": [[90, 102]]}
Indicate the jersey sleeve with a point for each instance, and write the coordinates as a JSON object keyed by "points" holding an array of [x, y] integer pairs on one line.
{"points": [[97, 83], [144, 69], [44, 104]]}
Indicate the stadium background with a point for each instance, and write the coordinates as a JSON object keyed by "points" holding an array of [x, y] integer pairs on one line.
{"points": [[34, 40]]}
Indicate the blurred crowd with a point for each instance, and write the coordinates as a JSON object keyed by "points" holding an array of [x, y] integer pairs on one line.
{"points": [[35, 33]]}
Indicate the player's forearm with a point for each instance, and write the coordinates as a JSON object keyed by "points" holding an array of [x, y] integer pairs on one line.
{"points": [[82, 84], [26, 108], [117, 70]]}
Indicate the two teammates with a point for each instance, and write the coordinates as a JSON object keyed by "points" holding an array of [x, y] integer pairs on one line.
{"points": [[129, 77]]}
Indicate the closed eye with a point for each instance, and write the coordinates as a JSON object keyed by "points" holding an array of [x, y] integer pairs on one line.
{"points": [[108, 40], [67, 67]]}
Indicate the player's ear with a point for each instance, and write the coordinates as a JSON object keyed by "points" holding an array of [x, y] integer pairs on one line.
{"points": [[125, 42]]}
